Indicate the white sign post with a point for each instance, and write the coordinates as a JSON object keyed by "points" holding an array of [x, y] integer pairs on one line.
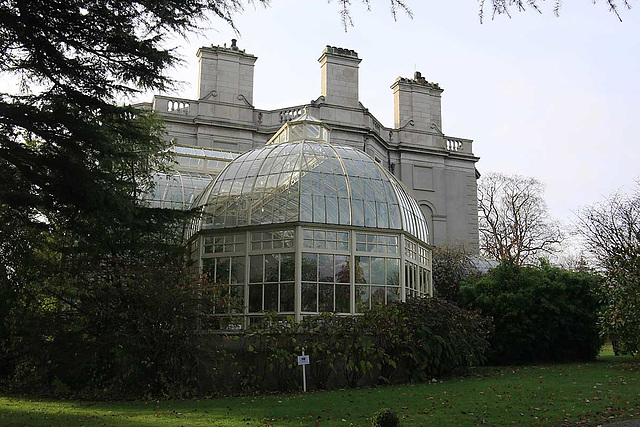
{"points": [[303, 361]]}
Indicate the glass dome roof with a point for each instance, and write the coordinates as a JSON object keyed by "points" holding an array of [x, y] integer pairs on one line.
{"points": [[301, 177]]}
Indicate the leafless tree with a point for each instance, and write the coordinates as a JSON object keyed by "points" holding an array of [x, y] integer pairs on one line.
{"points": [[505, 7], [611, 233], [394, 6], [513, 219], [611, 230]]}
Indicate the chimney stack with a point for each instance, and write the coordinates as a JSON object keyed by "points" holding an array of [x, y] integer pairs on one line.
{"points": [[226, 74], [418, 100], [340, 76]]}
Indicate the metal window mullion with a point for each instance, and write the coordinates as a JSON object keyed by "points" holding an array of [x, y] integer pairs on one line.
{"points": [[402, 249], [297, 244], [247, 270]]}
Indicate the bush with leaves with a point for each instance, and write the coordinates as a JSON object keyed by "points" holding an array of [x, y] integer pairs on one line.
{"points": [[385, 417], [451, 266], [412, 341], [125, 327], [436, 337], [539, 313]]}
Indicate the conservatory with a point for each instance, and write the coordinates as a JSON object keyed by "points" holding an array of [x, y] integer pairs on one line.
{"points": [[301, 227]]}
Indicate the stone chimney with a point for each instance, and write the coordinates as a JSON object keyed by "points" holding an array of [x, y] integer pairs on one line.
{"points": [[418, 100], [340, 76], [226, 74]]}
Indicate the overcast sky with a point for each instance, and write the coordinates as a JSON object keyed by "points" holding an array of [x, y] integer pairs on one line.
{"points": [[553, 98]]}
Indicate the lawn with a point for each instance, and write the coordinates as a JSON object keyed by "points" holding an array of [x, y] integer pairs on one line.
{"points": [[567, 394]]}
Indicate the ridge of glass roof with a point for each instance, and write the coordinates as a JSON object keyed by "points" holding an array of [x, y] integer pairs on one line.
{"points": [[301, 128], [312, 182]]}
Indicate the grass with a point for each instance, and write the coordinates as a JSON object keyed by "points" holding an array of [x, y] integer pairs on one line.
{"points": [[565, 394]]}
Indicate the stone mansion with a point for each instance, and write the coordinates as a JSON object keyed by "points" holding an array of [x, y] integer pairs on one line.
{"points": [[223, 122]]}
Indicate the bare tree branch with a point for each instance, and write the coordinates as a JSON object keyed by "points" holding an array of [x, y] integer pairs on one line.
{"points": [[513, 219], [504, 7]]}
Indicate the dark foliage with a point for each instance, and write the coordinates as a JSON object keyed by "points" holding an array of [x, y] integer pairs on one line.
{"points": [[385, 417], [93, 292], [413, 341], [539, 314], [125, 327], [451, 266]]}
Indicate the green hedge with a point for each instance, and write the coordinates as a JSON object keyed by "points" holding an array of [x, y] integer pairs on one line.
{"points": [[539, 314], [412, 341]]}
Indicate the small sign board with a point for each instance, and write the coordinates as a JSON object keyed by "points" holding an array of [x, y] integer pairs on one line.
{"points": [[303, 360]]}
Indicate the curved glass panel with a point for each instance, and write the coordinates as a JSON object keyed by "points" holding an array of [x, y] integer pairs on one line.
{"points": [[309, 181], [176, 190]]}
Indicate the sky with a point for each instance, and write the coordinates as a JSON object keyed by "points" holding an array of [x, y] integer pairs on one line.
{"points": [[555, 98]]}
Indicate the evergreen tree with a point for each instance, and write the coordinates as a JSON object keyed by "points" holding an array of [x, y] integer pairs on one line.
{"points": [[93, 291]]}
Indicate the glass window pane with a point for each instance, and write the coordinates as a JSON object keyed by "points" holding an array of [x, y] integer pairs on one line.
{"points": [[208, 268], [393, 294], [237, 299], [271, 263], [358, 212], [255, 298], [309, 297], [325, 297], [377, 295], [306, 212], [377, 271], [318, 209], [370, 214], [362, 269], [287, 267], [393, 272], [325, 268], [345, 212], [208, 245], [255, 269], [332, 210], [342, 269], [343, 298], [222, 270], [383, 215], [287, 296], [310, 267], [271, 297], [362, 298]]}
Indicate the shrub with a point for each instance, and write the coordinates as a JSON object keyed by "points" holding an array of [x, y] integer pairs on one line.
{"points": [[386, 417], [415, 341], [129, 332], [431, 336], [539, 314], [451, 266]]}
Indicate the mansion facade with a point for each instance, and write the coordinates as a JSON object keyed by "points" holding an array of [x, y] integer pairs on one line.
{"points": [[437, 170]]}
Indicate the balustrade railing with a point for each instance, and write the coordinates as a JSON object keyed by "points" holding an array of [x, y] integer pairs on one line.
{"points": [[458, 145]]}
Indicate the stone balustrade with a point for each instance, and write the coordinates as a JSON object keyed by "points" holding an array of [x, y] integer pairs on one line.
{"points": [[276, 118], [458, 145], [165, 104]]}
